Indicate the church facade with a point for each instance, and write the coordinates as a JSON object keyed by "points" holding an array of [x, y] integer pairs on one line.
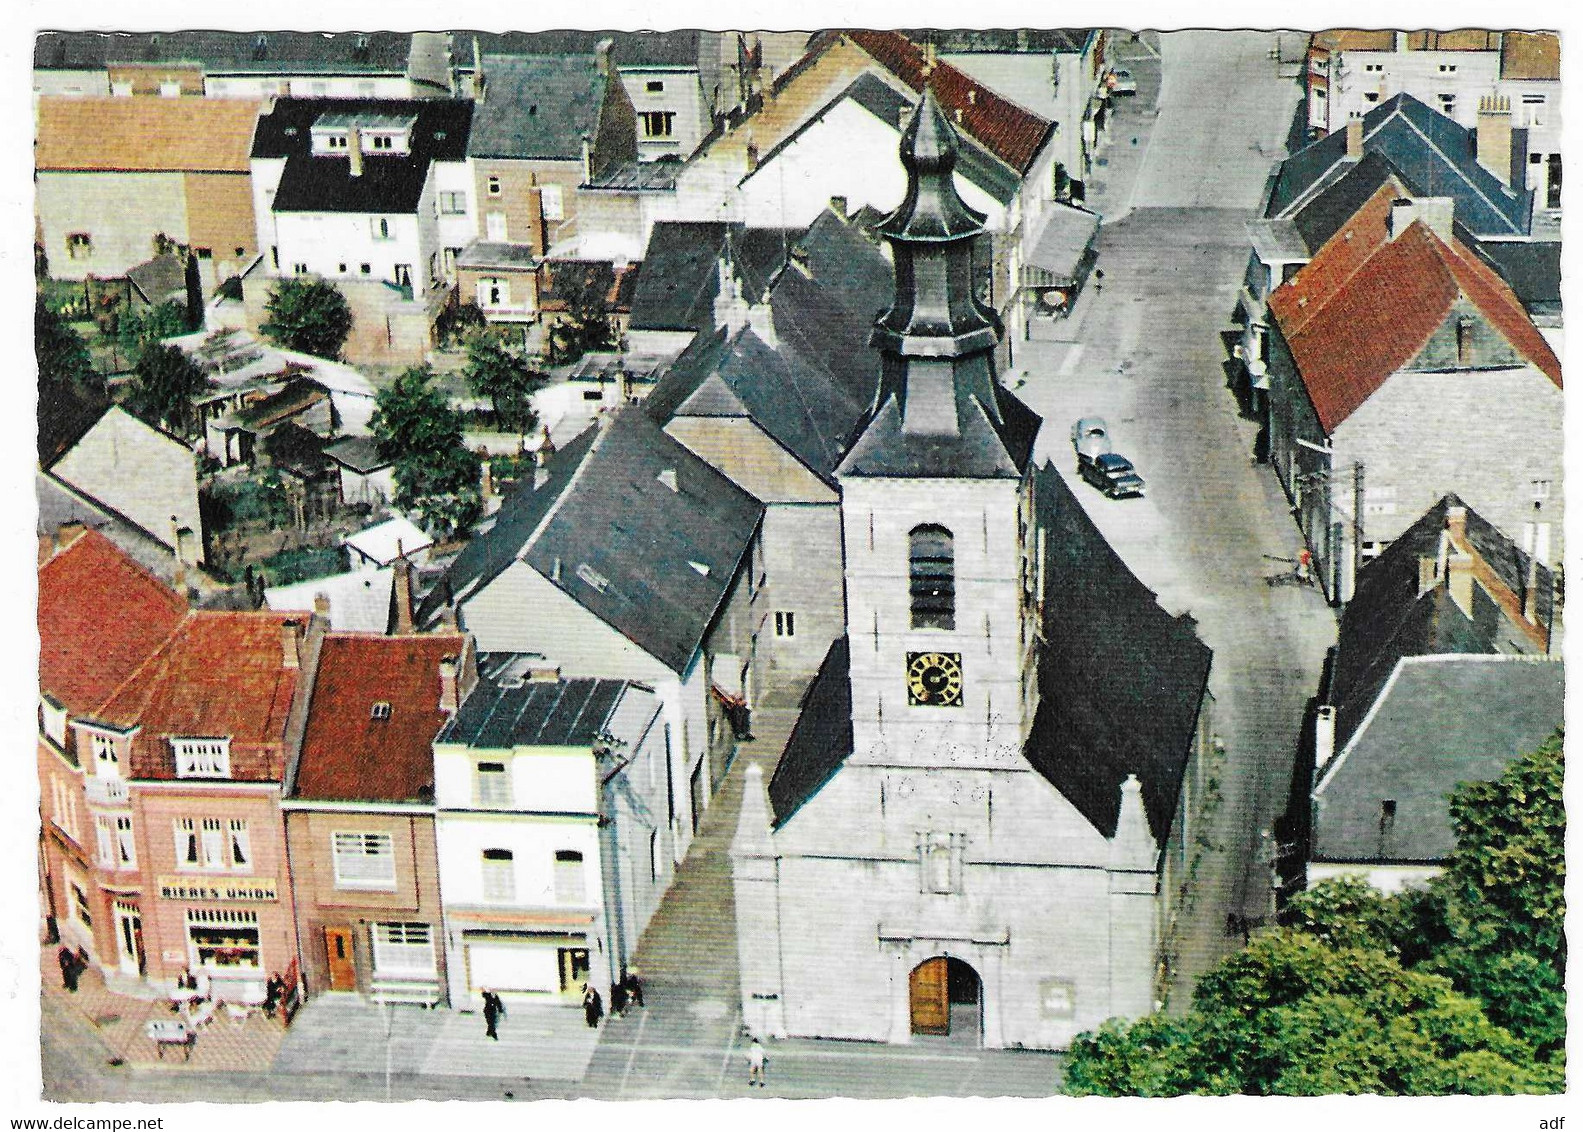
{"points": [[948, 846]]}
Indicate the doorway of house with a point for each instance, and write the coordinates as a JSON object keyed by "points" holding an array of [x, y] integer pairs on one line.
{"points": [[338, 950], [574, 968], [946, 999]]}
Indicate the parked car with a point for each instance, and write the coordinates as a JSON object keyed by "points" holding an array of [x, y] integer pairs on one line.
{"points": [[1121, 81], [1090, 437], [1112, 474]]}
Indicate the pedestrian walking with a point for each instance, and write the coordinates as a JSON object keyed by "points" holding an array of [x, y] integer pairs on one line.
{"points": [[756, 1063], [593, 1007], [618, 998], [68, 969], [492, 1012], [634, 989], [274, 994]]}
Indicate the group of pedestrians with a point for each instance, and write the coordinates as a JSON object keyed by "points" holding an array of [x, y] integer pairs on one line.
{"points": [[625, 993]]}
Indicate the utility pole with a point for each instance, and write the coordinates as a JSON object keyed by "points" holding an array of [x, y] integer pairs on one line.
{"points": [[1357, 522]]}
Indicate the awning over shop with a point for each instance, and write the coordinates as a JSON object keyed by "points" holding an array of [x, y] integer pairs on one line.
{"points": [[1065, 240]]}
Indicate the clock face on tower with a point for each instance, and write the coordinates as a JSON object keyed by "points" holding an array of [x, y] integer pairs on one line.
{"points": [[934, 679]]}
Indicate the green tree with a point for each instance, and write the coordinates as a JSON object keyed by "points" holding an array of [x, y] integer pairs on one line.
{"points": [[163, 384], [505, 377], [585, 326], [415, 426], [308, 315], [62, 354], [139, 329]]}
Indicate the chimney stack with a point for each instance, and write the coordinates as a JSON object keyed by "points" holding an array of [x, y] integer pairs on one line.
{"points": [[1324, 735], [1493, 136], [449, 701], [1465, 341], [478, 72], [321, 605], [290, 644], [1459, 559], [354, 151], [1355, 139], [403, 598], [602, 55]]}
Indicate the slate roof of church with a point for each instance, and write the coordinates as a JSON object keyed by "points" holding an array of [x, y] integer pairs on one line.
{"points": [[268, 52], [821, 741]]}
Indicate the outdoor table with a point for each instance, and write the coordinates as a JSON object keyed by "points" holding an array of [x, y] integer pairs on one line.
{"points": [[171, 1033]]}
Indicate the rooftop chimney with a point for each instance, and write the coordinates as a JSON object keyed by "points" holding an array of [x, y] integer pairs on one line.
{"points": [[478, 72], [321, 605], [1324, 735], [1493, 135], [402, 597], [290, 644], [449, 701], [602, 55], [1355, 139], [1465, 341], [354, 151]]}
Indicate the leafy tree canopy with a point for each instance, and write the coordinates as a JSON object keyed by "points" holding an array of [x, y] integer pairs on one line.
{"points": [[415, 426], [505, 377], [163, 384], [585, 326], [136, 330], [62, 354], [308, 315]]}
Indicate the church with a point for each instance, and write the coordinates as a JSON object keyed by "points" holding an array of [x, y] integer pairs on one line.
{"points": [[979, 826]]}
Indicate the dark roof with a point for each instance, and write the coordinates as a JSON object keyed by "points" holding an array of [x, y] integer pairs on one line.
{"points": [[161, 279], [297, 395], [653, 563], [1445, 720], [1429, 149], [1121, 681], [505, 710], [883, 101], [676, 289], [349, 754], [982, 449], [389, 183], [1388, 618], [377, 52], [539, 106], [822, 738], [678, 49], [637, 176], [296, 449], [1003, 41], [1326, 213], [65, 414], [795, 402], [360, 453], [1531, 268]]}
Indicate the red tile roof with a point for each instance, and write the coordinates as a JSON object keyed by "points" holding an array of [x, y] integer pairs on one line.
{"points": [[1366, 305], [1005, 129], [172, 135], [347, 754], [222, 674], [100, 616]]}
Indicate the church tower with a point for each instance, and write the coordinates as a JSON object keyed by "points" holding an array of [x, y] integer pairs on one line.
{"points": [[936, 501]]}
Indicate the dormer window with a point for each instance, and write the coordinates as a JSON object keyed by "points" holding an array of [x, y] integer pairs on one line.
{"points": [[105, 759], [202, 758], [53, 720], [381, 710]]}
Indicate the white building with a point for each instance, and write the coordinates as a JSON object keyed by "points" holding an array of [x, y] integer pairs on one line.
{"points": [[553, 846], [962, 825]]}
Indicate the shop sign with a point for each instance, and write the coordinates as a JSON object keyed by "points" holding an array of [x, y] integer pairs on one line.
{"points": [[254, 889]]}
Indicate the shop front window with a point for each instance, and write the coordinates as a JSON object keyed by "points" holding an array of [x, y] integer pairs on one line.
{"points": [[223, 938]]}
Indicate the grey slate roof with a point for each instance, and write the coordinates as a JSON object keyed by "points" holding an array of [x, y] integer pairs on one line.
{"points": [[236, 52], [389, 183], [653, 563], [629, 49], [1068, 234], [1121, 681], [822, 738], [980, 450], [1387, 619], [638, 176], [1531, 268], [538, 106], [161, 279], [505, 710], [680, 278], [481, 253], [1432, 152], [880, 99], [1443, 721], [360, 453], [58, 502]]}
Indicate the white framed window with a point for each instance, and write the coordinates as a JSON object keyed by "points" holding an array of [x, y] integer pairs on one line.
{"points": [[79, 245], [494, 292], [499, 875], [379, 227], [79, 902], [404, 949], [552, 202], [495, 226], [64, 811], [104, 829], [241, 845], [104, 756], [364, 860], [211, 843], [570, 887], [785, 623], [202, 758], [453, 204], [491, 784], [53, 718], [493, 185], [655, 86], [382, 141], [186, 833], [125, 843]]}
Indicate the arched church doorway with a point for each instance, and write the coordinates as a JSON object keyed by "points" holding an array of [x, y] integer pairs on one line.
{"points": [[946, 998]]}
